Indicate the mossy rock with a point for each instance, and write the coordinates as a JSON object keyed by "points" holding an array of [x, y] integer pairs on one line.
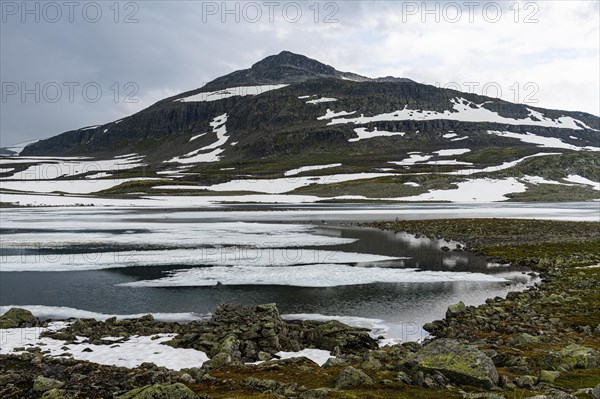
{"points": [[55, 394], [157, 391], [352, 378], [574, 357], [455, 309], [461, 364], [43, 384], [17, 318]]}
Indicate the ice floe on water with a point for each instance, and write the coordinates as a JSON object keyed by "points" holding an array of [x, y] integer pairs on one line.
{"points": [[218, 260], [316, 275]]}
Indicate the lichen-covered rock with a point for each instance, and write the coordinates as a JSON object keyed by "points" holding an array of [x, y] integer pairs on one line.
{"points": [[43, 384], [455, 309], [17, 318], [461, 364], [55, 394], [263, 385], [352, 378], [318, 393], [572, 357], [549, 376], [334, 334], [525, 381], [173, 391]]}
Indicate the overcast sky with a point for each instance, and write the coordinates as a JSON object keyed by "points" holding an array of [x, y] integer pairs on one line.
{"points": [[56, 57]]}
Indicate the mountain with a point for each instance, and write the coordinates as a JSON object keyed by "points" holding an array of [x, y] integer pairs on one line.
{"points": [[385, 137]]}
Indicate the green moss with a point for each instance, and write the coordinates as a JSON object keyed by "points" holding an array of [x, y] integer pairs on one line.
{"points": [[579, 379]]}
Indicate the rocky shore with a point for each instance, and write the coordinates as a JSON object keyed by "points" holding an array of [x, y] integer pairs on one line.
{"points": [[540, 343]]}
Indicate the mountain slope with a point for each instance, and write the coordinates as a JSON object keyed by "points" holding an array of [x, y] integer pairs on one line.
{"points": [[387, 137]]}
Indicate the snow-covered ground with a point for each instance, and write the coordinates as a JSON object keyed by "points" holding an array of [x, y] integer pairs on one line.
{"points": [[582, 180], [329, 114], [130, 353], [280, 185], [302, 169], [542, 141], [476, 190], [47, 168], [363, 134], [466, 111], [200, 155], [239, 91], [82, 186], [322, 100]]}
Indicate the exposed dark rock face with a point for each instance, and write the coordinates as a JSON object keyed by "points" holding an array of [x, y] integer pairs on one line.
{"points": [[278, 123]]}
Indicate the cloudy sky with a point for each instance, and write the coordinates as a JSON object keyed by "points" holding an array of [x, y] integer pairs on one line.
{"points": [[65, 65]]}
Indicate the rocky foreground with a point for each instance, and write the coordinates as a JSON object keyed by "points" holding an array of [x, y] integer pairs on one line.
{"points": [[541, 343]]}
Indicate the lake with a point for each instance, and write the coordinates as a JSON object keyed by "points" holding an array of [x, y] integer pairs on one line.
{"points": [[310, 260]]}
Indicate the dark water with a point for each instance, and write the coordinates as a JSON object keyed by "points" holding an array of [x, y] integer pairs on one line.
{"points": [[402, 306]]}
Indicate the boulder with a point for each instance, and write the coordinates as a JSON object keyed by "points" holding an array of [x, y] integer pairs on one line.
{"points": [[455, 309], [318, 393], [17, 318], [55, 394], [43, 384], [334, 334], [461, 364], [352, 378], [157, 391], [549, 376], [572, 357], [596, 392]]}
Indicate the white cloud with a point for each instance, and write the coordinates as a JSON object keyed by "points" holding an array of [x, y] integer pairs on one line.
{"points": [[172, 49]]}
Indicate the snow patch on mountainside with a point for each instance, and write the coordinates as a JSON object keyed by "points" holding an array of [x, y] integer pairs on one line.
{"points": [[457, 151], [281, 185], [412, 159], [363, 134], [476, 190], [466, 111], [321, 100], [582, 180], [198, 156], [331, 114], [240, 91], [53, 168], [542, 141], [294, 172]]}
